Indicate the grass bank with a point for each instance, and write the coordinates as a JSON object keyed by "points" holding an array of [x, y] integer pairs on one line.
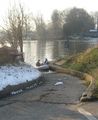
{"points": [[85, 62]]}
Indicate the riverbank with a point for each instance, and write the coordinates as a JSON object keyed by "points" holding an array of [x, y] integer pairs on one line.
{"points": [[86, 62]]}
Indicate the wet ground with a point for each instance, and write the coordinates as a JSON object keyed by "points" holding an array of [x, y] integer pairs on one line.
{"points": [[50, 101]]}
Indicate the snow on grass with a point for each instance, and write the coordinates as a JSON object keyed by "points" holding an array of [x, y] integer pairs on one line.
{"points": [[14, 75]]}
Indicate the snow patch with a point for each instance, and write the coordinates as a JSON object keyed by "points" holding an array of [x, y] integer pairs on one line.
{"points": [[16, 92], [14, 75], [58, 83]]}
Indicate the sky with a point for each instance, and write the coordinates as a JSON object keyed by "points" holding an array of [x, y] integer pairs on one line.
{"points": [[46, 7]]}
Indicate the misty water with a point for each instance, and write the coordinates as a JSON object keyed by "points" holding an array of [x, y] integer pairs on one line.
{"points": [[52, 49]]}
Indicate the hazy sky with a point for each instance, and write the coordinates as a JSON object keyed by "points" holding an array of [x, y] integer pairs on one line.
{"points": [[47, 6]]}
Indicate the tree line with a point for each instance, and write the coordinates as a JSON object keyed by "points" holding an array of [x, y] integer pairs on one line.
{"points": [[64, 23], [75, 21]]}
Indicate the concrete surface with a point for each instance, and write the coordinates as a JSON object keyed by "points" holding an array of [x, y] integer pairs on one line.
{"points": [[47, 102], [91, 107]]}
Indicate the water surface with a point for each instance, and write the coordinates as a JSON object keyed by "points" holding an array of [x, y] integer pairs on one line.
{"points": [[52, 49]]}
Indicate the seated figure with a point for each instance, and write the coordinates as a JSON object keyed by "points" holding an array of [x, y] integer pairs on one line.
{"points": [[46, 61], [38, 63]]}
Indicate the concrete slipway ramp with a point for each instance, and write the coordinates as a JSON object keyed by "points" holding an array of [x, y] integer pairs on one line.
{"points": [[50, 101]]}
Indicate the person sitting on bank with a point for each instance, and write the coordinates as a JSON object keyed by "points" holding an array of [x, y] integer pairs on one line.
{"points": [[38, 63]]}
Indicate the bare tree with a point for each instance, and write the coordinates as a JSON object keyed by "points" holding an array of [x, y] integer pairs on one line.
{"points": [[42, 35], [40, 27], [57, 23], [16, 25]]}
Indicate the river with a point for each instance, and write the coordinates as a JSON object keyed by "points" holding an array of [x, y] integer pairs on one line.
{"points": [[52, 49]]}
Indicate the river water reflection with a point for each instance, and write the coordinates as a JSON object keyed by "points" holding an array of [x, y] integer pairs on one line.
{"points": [[34, 50]]}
